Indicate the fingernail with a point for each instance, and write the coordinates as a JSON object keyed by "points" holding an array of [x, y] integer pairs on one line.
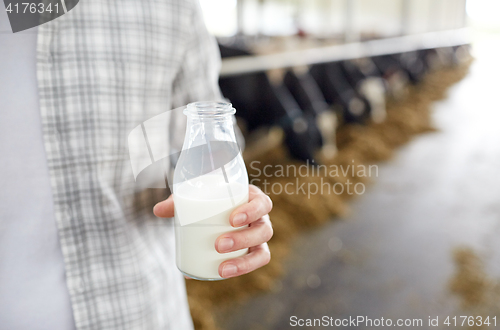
{"points": [[239, 219], [229, 270], [225, 244], [155, 208]]}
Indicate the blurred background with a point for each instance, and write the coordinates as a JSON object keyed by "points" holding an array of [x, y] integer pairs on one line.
{"points": [[408, 86]]}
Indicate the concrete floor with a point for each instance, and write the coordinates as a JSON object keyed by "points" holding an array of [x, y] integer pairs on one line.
{"points": [[392, 256]]}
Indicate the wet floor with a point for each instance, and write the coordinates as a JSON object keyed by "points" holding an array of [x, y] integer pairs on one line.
{"points": [[391, 256]]}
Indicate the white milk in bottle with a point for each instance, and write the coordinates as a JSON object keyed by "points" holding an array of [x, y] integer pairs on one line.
{"points": [[207, 214]]}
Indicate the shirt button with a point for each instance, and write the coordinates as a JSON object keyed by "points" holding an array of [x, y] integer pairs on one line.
{"points": [[79, 285], [67, 211]]}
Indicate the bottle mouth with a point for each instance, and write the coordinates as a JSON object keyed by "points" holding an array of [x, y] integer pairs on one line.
{"points": [[209, 109]]}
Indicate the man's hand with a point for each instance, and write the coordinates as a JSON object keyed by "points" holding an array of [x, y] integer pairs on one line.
{"points": [[255, 214]]}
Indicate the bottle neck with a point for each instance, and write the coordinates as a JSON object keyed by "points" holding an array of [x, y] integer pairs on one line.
{"points": [[207, 122]]}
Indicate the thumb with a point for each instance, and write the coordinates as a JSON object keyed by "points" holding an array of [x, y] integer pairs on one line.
{"points": [[165, 209]]}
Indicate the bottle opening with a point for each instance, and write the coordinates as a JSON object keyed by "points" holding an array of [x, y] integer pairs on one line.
{"points": [[209, 109]]}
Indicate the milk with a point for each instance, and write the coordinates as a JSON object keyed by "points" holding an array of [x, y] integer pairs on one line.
{"points": [[202, 209]]}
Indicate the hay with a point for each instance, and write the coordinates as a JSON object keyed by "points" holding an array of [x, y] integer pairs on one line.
{"points": [[293, 213], [470, 282], [479, 293]]}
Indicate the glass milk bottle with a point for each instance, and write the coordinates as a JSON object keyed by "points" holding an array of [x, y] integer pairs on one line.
{"points": [[210, 181]]}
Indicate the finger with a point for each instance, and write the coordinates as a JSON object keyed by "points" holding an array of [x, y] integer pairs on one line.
{"points": [[257, 233], [257, 257], [165, 209], [259, 204]]}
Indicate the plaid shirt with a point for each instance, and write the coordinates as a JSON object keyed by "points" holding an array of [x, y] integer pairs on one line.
{"points": [[104, 68]]}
